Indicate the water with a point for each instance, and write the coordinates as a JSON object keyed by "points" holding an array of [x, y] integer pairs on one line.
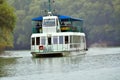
{"points": [[97, 64]]}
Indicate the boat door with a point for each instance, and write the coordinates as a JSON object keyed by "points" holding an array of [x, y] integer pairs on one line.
{"points": [[66, 43], [49, 43]]}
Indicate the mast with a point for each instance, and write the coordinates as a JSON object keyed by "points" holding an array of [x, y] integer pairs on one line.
{"points": [[49, 6]]}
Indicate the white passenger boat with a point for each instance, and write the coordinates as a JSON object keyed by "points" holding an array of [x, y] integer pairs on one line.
{"points": [[57, 35]]}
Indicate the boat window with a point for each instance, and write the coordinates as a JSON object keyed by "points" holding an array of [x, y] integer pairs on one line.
{"points": [[66, 39], [83, 39], [76, 39], [71, 39], [37, 40], [49, 40], [60, 39], [49, 22], [33, 41], [55, 40], [42, 40]]}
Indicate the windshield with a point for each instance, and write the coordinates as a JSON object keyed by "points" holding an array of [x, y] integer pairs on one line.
{"points": [[49, 22]]}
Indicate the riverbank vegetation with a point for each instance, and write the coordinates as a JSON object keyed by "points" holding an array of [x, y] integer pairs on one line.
{"points": [[7, 25], [101, 19]]}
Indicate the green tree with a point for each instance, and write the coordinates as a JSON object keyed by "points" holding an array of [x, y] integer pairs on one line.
{"points": [[7, 24]]}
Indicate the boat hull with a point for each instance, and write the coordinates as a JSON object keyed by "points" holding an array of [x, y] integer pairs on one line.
{"points": [[58, 54]]}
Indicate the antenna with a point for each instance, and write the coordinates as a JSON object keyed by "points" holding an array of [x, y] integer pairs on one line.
{"points": [[49, 5]]}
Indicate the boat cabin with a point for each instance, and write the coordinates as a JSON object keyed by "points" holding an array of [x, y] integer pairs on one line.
{"points": [[56, 34], [58, 42]]}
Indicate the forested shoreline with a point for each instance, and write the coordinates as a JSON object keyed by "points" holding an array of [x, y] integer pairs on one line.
{"points": [[101, 19], [7, 25]]}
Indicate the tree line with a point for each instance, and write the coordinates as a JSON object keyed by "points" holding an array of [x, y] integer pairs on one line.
{"points": [[7, 24], [101, 19]]}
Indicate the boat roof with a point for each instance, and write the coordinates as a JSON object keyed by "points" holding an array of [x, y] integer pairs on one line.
{"points": [[61, 17]]}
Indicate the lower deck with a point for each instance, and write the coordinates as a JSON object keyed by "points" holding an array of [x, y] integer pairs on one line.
{"points": [[57, 42]]}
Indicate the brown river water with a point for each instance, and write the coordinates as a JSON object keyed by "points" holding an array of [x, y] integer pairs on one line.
{"points": [[96, 64]]}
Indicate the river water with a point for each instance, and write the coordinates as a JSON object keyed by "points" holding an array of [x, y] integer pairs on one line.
{"points": [[96, 64]]}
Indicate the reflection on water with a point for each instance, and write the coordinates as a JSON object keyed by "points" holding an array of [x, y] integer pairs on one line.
{"points": [[64, 64], [19, 65]]}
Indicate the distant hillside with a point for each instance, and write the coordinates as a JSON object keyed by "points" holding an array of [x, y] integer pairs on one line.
{"points": [[101, 19]]}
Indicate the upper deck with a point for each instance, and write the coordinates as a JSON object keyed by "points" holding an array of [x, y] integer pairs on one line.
{"points": [[56, 24]]}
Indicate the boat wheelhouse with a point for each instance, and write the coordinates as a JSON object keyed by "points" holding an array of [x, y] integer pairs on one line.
{"points": [[57, 34]]}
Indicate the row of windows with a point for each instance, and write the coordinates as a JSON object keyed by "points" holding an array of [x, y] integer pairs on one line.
{"points": [[49, 40], [57, 40]]}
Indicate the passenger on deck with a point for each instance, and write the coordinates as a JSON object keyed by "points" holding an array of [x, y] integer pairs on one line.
{"points": [[38, 27], [63, 24]]}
